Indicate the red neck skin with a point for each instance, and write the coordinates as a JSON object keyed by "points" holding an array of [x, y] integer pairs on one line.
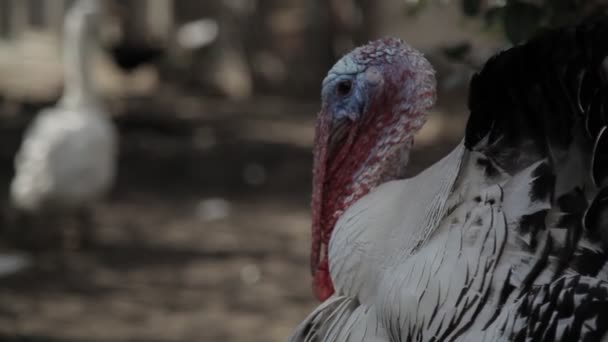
{"points": [[342, 176]]}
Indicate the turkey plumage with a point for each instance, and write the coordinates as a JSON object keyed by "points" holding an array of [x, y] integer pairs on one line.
{"points": [[504, 239]]}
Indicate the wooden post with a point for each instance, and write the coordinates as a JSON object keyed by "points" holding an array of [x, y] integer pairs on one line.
{"points": [[53, 15], [159, 19], [18, 20], [4, 18]]}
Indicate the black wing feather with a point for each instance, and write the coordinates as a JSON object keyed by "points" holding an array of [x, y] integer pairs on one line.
{"points": [[547, 100]]}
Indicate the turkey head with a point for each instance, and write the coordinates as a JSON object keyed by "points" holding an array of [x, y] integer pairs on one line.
{"points": [[374, 100]]}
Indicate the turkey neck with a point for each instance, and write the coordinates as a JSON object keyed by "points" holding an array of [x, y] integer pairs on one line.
{"points": [[77, 56], [357, 167]]}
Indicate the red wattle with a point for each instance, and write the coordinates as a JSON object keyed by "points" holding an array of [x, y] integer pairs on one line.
{"points": [[322, 285]]}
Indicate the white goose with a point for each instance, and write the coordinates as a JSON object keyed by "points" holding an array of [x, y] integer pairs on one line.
{"points": [[504, 239], [67, 160]]}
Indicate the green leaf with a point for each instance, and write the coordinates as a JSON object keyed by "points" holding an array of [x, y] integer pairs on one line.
{"points": [[562, 5], [471, 7], [521, 20], [493, 16], [457, 52], [413, 8]]}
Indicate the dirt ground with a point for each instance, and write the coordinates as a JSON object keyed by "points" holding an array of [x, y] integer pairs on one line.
{"points": [[205, 237]]}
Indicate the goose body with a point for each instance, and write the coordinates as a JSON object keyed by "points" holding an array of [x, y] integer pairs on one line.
{"points": [[504, 239], [68, 156], [67, 160]]}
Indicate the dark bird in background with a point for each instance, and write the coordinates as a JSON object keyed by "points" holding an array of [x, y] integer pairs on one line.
{"points": [[132, 48], [129, 54]]}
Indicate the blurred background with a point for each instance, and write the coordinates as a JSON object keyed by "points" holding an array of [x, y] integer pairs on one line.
{"points": [[204, 235]]}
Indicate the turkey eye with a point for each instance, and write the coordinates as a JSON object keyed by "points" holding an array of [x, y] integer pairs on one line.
{"points": [[344, 87]]}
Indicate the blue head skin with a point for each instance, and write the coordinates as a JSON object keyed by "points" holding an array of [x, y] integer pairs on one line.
{"points": [[345, 90], [374, 100]]}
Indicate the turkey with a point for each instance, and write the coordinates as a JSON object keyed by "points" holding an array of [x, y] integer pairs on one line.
{"points": [[504, 239], [67, 160]]}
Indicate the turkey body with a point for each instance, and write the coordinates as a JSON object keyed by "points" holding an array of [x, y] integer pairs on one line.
{"points": [[505, 238]]}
